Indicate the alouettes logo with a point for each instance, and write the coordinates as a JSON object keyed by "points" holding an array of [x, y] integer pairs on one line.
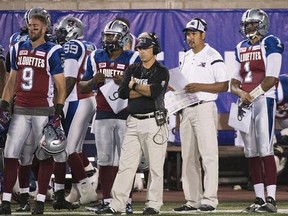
{"points": [[23, 52], [102, 65]]}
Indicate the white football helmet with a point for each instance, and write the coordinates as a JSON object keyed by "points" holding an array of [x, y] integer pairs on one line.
{"points": [[116, 34], [39, 11], [69, 28], [254, 16], [53, 141]]}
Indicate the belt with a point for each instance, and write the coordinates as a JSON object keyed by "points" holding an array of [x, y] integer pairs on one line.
{"points": [[200, 102], [141, 117]]}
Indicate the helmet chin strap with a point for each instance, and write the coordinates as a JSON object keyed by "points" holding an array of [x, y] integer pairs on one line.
{"points": [[253, 36]]}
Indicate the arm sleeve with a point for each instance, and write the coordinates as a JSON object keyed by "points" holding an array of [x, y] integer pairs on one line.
{"points": [[273, 65], [160, 82], [56, 60]]}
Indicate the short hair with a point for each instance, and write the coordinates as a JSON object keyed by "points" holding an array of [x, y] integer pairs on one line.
{"points": [[40, 17]]}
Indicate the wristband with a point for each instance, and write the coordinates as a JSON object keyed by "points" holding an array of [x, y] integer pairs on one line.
{"points": [[134, 86], [59, 109], [256, 92]]}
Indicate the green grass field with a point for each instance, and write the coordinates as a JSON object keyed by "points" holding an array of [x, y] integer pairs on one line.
{"points": [[223, 209]]}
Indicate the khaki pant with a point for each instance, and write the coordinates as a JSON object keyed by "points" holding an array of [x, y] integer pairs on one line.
{"points": [[141, 136], [198, 133]]}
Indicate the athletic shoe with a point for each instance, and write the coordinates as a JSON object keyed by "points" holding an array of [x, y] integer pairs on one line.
{"points": [[206, 208], [270, 206], [5, 208], [150, 211], [61, 203], [185, 208], [107, 210], [254, 206], [95, 208], [24, 203], [129, 209], [38, 208]]}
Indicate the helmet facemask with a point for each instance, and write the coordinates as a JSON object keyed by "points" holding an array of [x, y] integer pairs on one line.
{"points": [[111, 42], [115, 35]]}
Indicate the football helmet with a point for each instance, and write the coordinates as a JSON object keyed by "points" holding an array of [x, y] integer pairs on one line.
{"points": [[53, 141], [260, 21], [4, 122], [40, 11], [116, 34], [69, 28]]}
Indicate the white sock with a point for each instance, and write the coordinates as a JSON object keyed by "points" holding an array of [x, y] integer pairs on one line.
{"points": [[271, 191], [259, 190]]}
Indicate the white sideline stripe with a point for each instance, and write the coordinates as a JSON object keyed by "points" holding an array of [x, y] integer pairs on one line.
{"points": [[280, 211]]}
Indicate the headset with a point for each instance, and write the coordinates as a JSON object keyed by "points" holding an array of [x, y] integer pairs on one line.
{"points": [[156, 43]]}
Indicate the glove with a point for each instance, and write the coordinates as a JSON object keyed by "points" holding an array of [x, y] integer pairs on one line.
{"points": [[4, 105], [241, 111], [58, 116], [55, 121]]}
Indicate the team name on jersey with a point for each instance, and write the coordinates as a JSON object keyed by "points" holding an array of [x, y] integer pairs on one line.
{"points": [[110, 72], [110, 69], [31, 61], [250, 56]]}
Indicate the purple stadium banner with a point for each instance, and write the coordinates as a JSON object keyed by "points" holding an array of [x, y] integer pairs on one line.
{"points": [[223, 31]]}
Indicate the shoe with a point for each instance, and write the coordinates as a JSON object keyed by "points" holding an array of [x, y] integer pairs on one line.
{"points": [[24, 203], [103, 206], [206, 208], [185, 208], [254, 206], [87, 193], [61, 203], [95, 207], [74, 194], [270, 206], [5, 208], [129, 209], [150, 211], [38, 208], [107, 210]]}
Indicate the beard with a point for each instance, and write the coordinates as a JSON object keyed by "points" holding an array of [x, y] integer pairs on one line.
{"points": [[34, 37]]}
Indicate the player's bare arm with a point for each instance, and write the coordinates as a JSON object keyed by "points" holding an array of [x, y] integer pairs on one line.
{"points": [[2, 75], [207, 87], [87, 86], [60, 84], [8, 91], [236, 89], [70, 83], [268, 83]]}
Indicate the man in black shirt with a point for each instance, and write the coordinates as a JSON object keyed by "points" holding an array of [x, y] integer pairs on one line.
{"points": [[144, 85]]}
